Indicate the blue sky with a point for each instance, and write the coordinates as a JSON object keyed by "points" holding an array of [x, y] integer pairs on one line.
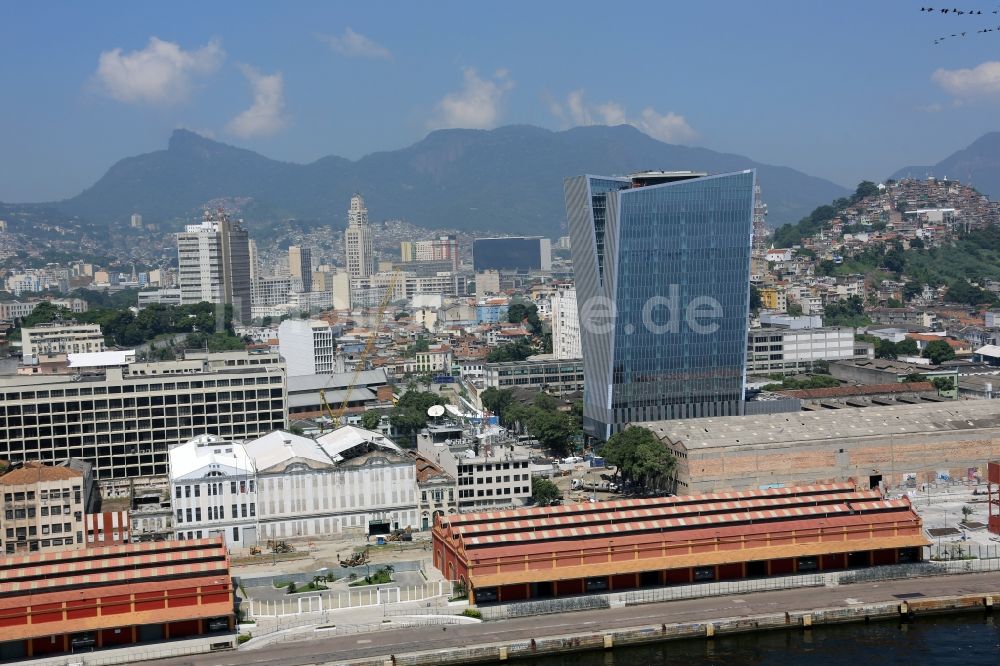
{"points": [[845, 90]]}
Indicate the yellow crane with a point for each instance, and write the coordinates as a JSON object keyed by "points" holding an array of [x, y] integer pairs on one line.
{"points": [[369, 345]]}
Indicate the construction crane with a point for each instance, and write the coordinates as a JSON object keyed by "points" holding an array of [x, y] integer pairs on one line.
{"points": [[336, 416]]}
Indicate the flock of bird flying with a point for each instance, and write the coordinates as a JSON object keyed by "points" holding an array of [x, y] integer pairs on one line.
{"points": [[959, 12]]}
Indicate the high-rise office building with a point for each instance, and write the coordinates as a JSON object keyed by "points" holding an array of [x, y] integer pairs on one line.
{"points": [[358, 240], [136, 221], [662, 267], [300, 266], [214, 264], [512, 253]]}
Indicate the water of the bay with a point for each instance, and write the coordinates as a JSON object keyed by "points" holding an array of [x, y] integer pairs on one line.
{"points": [[962, 640]]}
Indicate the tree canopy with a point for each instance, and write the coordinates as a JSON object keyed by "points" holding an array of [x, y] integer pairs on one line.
{"points": [[642, 461], [409, 414], [513, 351], [938, 351], [544, 492]]}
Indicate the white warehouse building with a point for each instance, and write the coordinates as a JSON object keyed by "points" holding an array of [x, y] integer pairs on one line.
{"points": [[283, 486]]}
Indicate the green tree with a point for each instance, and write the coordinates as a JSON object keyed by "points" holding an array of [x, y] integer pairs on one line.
{"points": [[642, 461], [497, 401], [866, 188], [911, 290], [794, 310], [419, 345], [544, 492], [371, 419], [943, 384], [885, 349], [513, 351], [938, 351], [552, 429], [409, 414], [907, 347]]}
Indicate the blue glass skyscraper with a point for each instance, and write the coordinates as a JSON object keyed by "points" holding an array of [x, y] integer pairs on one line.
{"points": [[662, 267]]}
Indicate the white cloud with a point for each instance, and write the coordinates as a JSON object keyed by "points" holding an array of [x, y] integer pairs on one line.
{"points": [[670, 127], [478, 104], [356, 45], [266, 114], [161, 73], [982, 80]]}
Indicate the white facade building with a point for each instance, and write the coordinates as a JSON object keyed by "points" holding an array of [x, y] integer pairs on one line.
{"points": [[283, 486], [792, 350], [271, 291], [69, 338], [213, 486], [358, 240], [565, 325], [307, 346]]}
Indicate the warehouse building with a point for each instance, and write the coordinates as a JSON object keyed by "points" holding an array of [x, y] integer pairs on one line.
{"points": [[893, 446], [114, 596], [625, 544]]}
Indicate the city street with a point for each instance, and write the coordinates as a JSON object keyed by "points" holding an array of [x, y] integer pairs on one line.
{"points": [[693, 610]]}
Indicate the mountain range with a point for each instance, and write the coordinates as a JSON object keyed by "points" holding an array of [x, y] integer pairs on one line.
{"points": [[977, 165], [503, 180]]}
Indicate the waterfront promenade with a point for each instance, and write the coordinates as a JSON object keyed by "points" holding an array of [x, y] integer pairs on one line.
{"points": [[366, 647]]}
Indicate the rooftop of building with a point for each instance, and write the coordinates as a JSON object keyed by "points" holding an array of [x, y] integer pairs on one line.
{"points": [[538, 359], [277, 450], [35, 472], [51, 577], [335, 380], [664, 528], [338, 443], [794, 427], [864, 389]]}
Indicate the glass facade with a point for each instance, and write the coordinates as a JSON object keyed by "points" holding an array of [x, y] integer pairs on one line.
{"points": [[662, 276], [507, 254]]}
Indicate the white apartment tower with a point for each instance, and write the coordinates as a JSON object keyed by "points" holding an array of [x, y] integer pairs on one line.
{"points": [[358, 240], [307, 346], [565, 325], [213, 264]]}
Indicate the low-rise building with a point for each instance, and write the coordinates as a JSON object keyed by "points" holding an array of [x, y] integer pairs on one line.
{"points": [[490, 468], [543, 552], [44, 507], [60, 338], [896, 446], [114, 596], [793, 350], [542, 372], [283, 485], [438, 491], [213, 486]]}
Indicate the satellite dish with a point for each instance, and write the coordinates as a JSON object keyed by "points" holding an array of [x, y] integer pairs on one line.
{"points": [[435, 411]]}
